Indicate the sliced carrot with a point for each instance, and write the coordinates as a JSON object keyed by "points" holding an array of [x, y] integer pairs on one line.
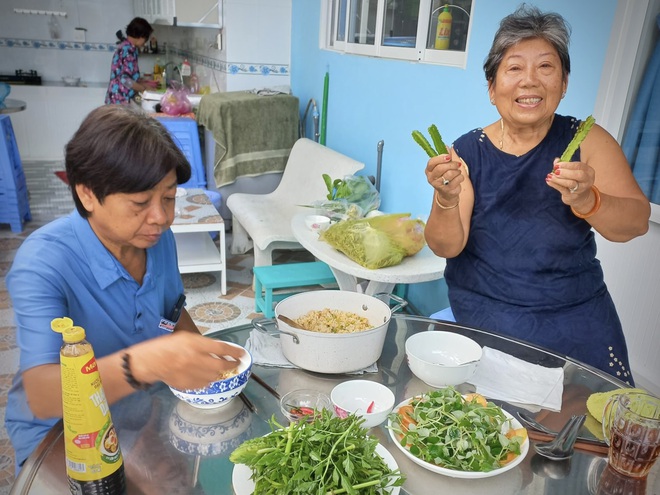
{"points": [[509, 457], [478, 398], [405, 415], [517, 432]]}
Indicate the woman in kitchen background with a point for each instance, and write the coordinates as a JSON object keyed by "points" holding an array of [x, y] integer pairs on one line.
{"points": [[110, 266], [515, 223], [125, 80]]}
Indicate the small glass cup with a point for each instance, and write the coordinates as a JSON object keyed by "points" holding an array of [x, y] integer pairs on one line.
{"points": [[631, 426], [304, 404]]}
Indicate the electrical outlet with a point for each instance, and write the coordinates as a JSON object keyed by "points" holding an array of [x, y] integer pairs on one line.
{"points": [[79, 35]]}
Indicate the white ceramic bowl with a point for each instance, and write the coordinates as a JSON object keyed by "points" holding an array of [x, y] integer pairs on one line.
{"points": [[220, 392], [71, 80], [317, 223], [356, 397], [441, 359], [310, 401]]}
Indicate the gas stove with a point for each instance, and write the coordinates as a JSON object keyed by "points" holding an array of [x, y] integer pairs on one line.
{"points": [[28, 77]]}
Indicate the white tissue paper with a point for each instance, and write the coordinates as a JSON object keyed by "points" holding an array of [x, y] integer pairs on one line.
{"points": [[505, 377], [266, 350]]}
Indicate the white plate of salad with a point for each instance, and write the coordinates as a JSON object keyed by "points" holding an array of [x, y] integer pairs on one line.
{"points": [[243, 485], [315, 457], [445, 427]]}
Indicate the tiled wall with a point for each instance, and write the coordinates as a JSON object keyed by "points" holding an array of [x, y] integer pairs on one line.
{"points": [[255, 52]]}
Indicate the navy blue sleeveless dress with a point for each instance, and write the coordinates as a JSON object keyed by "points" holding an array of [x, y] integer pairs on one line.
{"points": [[529, 269]]}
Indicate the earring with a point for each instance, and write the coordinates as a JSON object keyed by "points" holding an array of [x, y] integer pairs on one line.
{"points": [[492, 101], [563, 94]]}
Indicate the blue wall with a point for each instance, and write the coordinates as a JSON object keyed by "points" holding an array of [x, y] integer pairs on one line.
{"points": [[372, 99]]}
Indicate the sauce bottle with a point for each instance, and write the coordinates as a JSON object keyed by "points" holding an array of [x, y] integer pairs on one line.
{"points": [[94, 464], [443, 31]]}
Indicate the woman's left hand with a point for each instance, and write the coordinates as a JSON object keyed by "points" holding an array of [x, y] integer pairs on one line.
{"points": [[573, 180]]}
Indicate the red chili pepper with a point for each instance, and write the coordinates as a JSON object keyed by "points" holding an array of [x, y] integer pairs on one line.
{"points": [[371, 407]]}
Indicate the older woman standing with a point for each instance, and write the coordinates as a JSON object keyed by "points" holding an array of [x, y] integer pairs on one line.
{"points": [[110, 266], [125, 80], [515, 223]]}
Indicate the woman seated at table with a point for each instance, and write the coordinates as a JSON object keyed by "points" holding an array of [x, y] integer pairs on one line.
{"points": [[110, 266], [515, 223]]}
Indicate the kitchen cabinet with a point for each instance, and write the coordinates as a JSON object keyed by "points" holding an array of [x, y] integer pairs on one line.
{"points": [[52, 116], [188, 13]]}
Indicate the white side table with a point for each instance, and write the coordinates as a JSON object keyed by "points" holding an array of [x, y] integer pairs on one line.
{"points": [[422, 267], [197, 252]]}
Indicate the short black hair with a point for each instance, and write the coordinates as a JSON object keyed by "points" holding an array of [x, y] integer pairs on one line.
{"points": [[139, 28], [121, 149]]}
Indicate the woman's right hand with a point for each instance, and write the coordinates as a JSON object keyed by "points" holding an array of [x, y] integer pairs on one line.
{"points": [[182, 360], [445, 177]]}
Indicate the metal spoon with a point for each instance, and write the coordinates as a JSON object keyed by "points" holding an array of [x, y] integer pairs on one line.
{"points": [[527, 420], [561, 447]]}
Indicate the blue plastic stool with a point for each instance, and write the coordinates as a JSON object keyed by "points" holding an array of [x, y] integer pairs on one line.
{"points": [[444, 314], [267, 279], [14, 203], [185, 134]]}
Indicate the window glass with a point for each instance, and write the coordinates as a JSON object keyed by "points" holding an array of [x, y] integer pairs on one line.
{"points": [[448, 26], [427, 31], [400, 23], [362, 22]]}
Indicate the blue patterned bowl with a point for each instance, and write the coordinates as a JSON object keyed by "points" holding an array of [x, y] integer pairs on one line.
{"points": [[219, 393], [209, 432], [5, 89]]}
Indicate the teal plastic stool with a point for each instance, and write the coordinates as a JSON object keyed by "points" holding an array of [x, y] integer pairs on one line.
{"points": [[268, 279]]}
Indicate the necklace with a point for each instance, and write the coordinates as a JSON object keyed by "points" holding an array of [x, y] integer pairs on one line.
{"points": [[501, 134]]}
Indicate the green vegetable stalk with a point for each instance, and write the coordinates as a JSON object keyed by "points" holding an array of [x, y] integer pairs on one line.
{"points": [[440, 148], [581, 133]]}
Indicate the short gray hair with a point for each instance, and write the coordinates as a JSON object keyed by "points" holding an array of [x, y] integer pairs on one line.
{"points": [[528, 22]]}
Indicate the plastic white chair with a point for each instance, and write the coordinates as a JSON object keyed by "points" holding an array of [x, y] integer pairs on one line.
{"points": [[266, 218]]}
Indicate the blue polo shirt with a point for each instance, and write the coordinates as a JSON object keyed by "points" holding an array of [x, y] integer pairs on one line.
{"points": [[63, 269]]}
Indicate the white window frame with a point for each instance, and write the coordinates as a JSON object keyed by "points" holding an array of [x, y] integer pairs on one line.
{"points": [[328, 35]]}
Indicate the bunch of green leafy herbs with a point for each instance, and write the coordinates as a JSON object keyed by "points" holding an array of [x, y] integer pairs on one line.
{"points": [[455, 433], [327, 456]]}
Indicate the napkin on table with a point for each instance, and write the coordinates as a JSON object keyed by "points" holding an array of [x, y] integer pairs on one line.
{"points": [[266, 350], [502, 376]]}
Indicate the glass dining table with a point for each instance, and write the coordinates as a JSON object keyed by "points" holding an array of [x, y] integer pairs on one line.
{"points": [[170, 447]]}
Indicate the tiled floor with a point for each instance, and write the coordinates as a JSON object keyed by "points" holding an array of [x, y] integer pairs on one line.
{"points": [[50, 198]]}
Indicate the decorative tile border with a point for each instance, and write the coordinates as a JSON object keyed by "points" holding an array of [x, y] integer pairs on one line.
{"points": [[56, 45], [232, 68]]}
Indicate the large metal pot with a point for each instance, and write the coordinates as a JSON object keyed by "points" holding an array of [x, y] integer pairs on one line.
{"points": [[333, 352]]}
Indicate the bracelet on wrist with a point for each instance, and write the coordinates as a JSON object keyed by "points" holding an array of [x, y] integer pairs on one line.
{"points": [[128, 374], [593, 210], [435, 196]]}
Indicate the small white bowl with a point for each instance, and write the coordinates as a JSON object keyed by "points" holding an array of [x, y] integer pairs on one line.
{"points": [[441, 359], [359, 396], [71, 80], [220, 392], [317, 223]]}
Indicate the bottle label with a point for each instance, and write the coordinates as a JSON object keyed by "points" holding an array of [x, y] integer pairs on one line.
{"points": [[92, 447]]}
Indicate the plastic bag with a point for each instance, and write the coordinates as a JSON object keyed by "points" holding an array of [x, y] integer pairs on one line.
{"points": [[349, 198], [379, 241], [175, 102]]}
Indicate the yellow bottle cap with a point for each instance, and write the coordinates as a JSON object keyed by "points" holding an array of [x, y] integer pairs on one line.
{"points": [[73, 334], [60, 324], [69, 333]]}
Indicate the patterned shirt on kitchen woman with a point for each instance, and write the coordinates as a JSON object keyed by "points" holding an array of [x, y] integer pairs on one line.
{"points": [[124, 71]]}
